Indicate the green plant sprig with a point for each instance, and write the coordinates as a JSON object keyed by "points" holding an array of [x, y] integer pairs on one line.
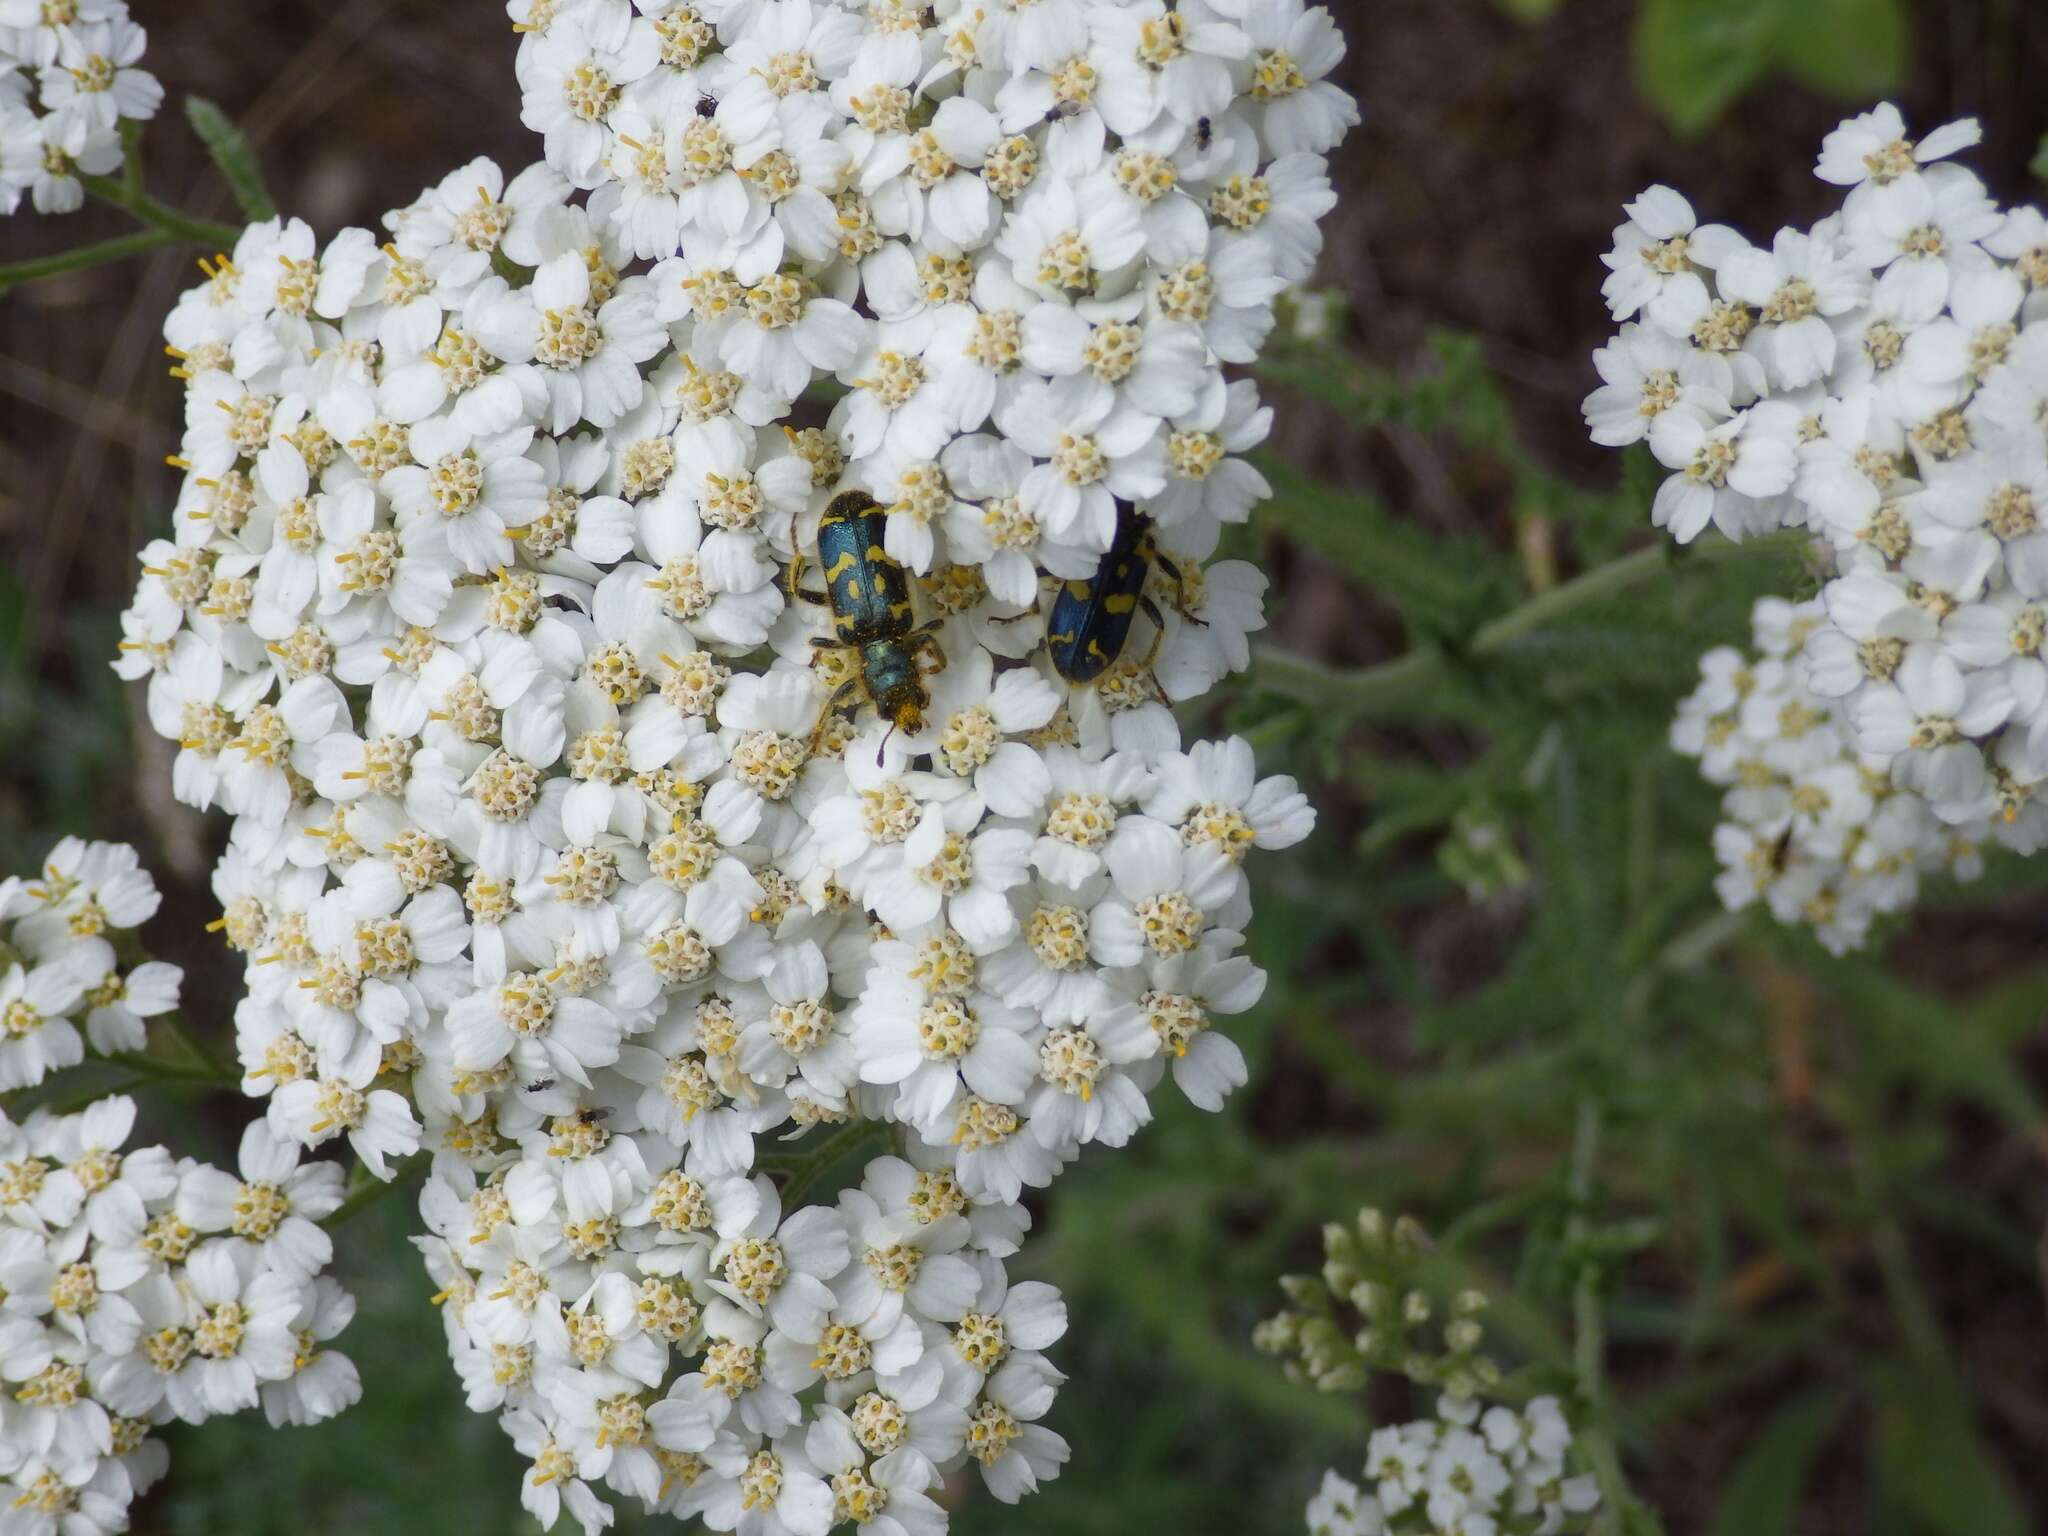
{"points": [[160, 225]]}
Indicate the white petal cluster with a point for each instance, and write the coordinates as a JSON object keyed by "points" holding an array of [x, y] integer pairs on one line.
{"points": [[648, 1328], [571, 847], [1878, 380], [68, 80], [1501, 1473], [64, 987], [1025, 237], [142, 1289], [1814, 829]]}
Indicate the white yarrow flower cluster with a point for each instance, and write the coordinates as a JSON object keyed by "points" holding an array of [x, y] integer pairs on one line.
{"points": [[141, 1290], [1813, 831], [651, 1329], [570, 848], [135, 1289], [1463, 1473], [64, 986], [68, 80], [1878, 380]]}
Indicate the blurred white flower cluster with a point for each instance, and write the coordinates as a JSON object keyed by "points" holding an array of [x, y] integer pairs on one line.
{"points": [[1463, 1473], [686, 635], [63, 985], [134, 1288], [1879, 380], [142, 1289], [1814, 831], [68, 80]]}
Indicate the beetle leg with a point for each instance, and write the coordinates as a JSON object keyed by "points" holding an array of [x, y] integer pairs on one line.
{"points": [[796, 555], [792, 580], [1029, 613], [1151, 611], [1158, 642], [839, 697], [1179, 599], [924, 640], [803, 594]]}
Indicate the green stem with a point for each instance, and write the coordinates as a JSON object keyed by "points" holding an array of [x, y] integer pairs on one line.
{"points": [[1617, 576], [370, 1190], [164, 226], [1692, 949], [1919, 1325], [180, 1031], [131, 156], [141, 243], [142, 1072], [1389, 686], [842, 1144], [149, 1067], [1588, 1350], [1909, 1303], [1364, 693], [1595, 1436], [177, 226], [72, 1104]]}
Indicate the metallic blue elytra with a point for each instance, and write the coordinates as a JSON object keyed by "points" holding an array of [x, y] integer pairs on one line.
{"points": [[869, 592], [1091, 620], [872, 616]]}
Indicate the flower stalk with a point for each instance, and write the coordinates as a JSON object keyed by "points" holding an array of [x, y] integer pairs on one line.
{"points": [[1391, 687], [176, 226]]}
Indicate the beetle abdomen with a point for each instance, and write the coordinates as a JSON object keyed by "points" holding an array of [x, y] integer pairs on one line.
{"points": [[1091, 620]]}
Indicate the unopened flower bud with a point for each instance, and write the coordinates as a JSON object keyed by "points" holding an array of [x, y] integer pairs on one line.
{"points": [[1276, 1335], [1346, 1378], [1305, 1291], [1371, 1298], [1410, 1238]]}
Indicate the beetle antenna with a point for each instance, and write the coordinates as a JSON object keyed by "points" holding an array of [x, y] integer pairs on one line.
{"points": [[884, 747]]}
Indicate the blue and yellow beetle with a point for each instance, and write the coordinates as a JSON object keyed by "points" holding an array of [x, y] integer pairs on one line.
{"points": [[1091, 619], [869, 595]]}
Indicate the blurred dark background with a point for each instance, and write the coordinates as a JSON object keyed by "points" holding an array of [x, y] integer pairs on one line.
{"points": [[1495, 155]]}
